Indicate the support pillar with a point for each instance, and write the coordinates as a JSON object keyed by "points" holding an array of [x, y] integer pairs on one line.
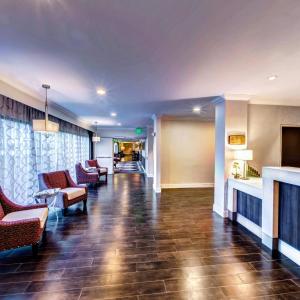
{"points": [[156, 153], [231, 117]]}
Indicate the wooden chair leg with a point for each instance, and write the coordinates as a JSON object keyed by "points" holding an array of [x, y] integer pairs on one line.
{"points": [[65, 211], [35, 249]]}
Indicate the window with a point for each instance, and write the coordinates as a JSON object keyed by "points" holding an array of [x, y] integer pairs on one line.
{"points": [[24, 154]]}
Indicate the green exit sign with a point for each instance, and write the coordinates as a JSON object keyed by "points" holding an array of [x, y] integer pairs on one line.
{"points": [[138, 130]]}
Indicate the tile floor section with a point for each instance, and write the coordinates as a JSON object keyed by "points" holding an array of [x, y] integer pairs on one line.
{"points": [[135, 245]]}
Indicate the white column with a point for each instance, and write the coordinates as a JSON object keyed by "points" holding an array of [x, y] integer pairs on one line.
{"points": [[219, 192], [149, 152], [156, 153], [231, 117], [270, 207]]}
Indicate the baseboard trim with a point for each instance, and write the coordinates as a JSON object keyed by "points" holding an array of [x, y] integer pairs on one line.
{"points": [[218, 210], [254, 228], [289, 251], [186, 185]]}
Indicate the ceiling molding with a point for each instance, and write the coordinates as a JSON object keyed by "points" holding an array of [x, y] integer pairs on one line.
{"points": [[237, 97]]}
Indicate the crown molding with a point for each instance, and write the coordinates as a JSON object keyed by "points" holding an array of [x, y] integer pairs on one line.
{"points": [[237, 97]]}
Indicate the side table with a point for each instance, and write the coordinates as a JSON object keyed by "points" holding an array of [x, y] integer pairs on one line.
{"points": [[48, 197]]}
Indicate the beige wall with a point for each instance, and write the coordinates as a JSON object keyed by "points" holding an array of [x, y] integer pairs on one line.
{"points": [[264, 133], [187, 154]]}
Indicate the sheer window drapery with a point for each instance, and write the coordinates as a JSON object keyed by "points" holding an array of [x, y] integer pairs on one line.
{"points": [[17, 160], [24, 154], [60, 151]]}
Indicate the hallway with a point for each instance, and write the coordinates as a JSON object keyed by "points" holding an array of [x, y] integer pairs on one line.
{"points": [[136, 245]]}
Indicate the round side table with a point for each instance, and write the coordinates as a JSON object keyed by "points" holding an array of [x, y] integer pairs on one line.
{"points": [[48, 197]]}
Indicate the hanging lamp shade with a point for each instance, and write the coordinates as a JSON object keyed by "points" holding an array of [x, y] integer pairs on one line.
{"points": [[44, 125], [96, 138]]}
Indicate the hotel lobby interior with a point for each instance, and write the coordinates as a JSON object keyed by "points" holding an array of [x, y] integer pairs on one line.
{"points": [[149, 149]]}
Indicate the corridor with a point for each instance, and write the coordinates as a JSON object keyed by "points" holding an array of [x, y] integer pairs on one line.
{"points": [[134, 245]]}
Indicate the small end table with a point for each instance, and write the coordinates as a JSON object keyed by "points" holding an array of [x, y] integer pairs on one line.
{"points": [[48, 197]]}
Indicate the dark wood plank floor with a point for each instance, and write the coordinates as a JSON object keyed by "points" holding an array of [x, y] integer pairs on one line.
{"points": [[134, 245]]}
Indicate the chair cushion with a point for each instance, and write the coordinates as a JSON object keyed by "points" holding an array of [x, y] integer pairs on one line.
{"points": [[2, 214], [41, 213], [57, 179], [92, 163], [103, 170], [73, 192]]}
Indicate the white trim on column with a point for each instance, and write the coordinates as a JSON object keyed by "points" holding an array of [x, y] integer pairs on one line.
{"points": [[291, 252], [220, 211], [156, 189], [249, 225], [187, 185], [156, 153]]}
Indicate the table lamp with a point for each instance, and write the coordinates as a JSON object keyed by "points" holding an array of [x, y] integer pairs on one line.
{"points": [[244, 155]]}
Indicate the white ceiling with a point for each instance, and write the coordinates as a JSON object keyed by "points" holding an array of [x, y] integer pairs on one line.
{"points": [[149, 54]]}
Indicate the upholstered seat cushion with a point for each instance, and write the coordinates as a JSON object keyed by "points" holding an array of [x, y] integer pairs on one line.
{"points": [[40, 213], [73, 192], [103, 170]]}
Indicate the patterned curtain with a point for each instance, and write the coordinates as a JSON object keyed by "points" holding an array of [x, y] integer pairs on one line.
{"points": [[60, 151], [17, 160], [24, 154]]}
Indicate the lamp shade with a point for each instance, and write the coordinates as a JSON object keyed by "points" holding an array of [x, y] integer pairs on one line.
{"points": [[243, 154], [96, 138], [45, 126]]}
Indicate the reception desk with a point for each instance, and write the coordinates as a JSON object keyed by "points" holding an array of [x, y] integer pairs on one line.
{"points": [[245, 203], [270, 208]]}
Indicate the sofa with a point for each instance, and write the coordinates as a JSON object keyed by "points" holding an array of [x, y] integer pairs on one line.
{"points": [[21, 225], [93, 163], [70, 193]]}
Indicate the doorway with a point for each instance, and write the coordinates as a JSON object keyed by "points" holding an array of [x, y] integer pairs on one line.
{"points": [[129, 156]]}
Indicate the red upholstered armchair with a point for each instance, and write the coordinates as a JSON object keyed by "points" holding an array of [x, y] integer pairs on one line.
{"points": [[83, 176], [70, 193], [93, 163], [21, 225]]}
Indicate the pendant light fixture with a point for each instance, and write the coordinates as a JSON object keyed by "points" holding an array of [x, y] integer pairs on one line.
{"points": [[45, 125], [96, 138]]}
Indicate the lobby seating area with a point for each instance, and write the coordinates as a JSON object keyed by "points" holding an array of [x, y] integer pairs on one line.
{"points": [[149, 150]]}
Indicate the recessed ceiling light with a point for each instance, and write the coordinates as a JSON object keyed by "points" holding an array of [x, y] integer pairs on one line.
{"points": [[197, 109], [113, 114], [101, 91], [272, 77]]}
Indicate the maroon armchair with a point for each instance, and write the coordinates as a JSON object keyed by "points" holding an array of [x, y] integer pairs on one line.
{"points": [[21, 225], [70, 193], [93, 163], [84, 176]]}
